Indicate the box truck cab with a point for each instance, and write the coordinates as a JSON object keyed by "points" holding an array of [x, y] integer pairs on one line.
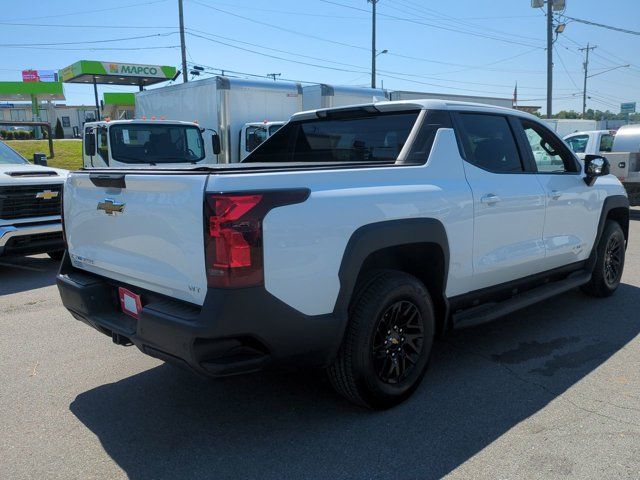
{"points": [[144, 143], [254, 133]]}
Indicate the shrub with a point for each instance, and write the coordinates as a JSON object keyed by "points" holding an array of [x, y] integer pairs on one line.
{"points": [[3, 133], [9, 135], [32, 134], [59, 131]]}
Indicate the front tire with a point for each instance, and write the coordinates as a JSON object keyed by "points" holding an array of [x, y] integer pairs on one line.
{"points": [[387, 343], [607, 272]]}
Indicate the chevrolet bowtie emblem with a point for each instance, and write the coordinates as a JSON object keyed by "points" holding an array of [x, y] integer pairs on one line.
{"points": [[111, 207], [47, 195]]}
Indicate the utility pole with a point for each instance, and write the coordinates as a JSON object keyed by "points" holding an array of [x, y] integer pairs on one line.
{"points": [[549, 56], [183, 47], [586, 75], [273, 75], [373, 42]]}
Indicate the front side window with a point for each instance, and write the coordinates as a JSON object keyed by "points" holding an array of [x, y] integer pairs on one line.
{"points": [[156, 144], [489, 143], [578, 143], [606, 142], [9, 157], [254, 136], [357, 136], [549, 153]]}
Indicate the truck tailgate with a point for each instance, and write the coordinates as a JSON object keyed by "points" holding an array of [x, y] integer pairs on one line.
{"points": [[148, 234]]}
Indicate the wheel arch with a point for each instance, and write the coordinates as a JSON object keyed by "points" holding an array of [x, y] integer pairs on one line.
{"points": [[616, 208], [404, 245]]}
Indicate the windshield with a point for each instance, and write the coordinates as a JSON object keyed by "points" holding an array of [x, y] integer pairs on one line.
{"points": [[10, 157], [372, 137], [156, 143]]}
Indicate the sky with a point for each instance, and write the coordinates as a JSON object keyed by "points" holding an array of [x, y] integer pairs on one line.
{"points": [[466, 47]]}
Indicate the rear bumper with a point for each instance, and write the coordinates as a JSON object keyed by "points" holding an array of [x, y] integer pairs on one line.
{"points": [[235, 331], [31, 239]]}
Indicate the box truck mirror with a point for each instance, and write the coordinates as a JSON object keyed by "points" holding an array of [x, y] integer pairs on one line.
{"points": [[89, 143], [215, 143]]}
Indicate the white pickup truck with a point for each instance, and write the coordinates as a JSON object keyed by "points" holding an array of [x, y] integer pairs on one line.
{"points": [[622, 149], [30, 206], [346, 241]]}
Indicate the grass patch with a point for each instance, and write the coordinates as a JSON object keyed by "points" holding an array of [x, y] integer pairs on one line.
{"points": [[68, 153]]}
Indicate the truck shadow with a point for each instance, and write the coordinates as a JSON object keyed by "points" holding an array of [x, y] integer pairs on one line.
{"points": [[165, 423], [19, 274]]}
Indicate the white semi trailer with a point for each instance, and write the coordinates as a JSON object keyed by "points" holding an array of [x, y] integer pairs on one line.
{"points": [[227, 106]]}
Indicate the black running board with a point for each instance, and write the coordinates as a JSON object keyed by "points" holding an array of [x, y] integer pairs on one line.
{"points": [[488, 312]]}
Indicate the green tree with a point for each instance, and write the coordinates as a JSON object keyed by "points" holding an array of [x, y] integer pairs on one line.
{"points": [[59, 131]]}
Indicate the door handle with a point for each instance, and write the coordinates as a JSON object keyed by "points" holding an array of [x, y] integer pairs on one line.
{"points": [[555, 194], [490, 199]]}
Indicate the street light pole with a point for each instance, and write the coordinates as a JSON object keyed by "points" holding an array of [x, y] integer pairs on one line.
{"points": [[586, 75], [183, 47], [373, 42]]}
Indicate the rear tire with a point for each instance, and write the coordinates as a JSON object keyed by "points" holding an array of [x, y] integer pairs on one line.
{"points": [[57, 255], [607, 271], [387, 343]]}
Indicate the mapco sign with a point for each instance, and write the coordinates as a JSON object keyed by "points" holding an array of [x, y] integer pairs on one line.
{"points": [[133, 70], [116, 73], [629, 107]]}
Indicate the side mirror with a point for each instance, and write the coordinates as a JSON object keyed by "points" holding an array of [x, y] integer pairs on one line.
{"points": [[595, 166], [40, 159], [90, 144], [215, 143]]}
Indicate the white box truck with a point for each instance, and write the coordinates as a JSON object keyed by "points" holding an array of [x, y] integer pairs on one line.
{"points": [[223, 105], [407, 95], [329, 96], [565, 126]]}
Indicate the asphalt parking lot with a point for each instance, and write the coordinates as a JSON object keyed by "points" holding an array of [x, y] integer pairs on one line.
{"points": [[550, 392]]}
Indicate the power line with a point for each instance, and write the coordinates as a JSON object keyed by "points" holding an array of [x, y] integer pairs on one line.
{"points": [[432, 25], [90, 11], [602, 25], [360, 69], [448, 18], [18, 45], [94, 49], [408, 57], [57, 25], [295, 32]]}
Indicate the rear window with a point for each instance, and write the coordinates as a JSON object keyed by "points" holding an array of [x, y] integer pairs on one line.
{"points": [[364, 138]]}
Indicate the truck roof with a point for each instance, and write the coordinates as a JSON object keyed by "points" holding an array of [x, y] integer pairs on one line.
{"points": [[141, 120], [422, 104]]}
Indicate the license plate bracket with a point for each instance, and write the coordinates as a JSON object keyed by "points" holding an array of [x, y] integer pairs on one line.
{"points": [[130, 302]]}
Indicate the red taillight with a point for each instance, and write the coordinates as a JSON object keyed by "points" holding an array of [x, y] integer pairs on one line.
{"points": [[233, 235]]}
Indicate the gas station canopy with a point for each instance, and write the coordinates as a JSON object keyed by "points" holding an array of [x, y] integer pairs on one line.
{"points": [[27, 91], [112, 73]]}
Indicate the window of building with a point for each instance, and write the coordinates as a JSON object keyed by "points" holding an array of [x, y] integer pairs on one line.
{"points": [[66, 122]]}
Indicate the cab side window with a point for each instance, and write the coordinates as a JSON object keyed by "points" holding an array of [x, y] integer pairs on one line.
{"points": [[578, 143], [549, 153], [606, 142], [488, 143]]}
